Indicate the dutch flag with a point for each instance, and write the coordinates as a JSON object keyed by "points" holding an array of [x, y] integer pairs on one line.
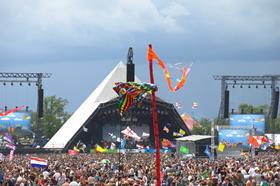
{"points": [[38, 162]]}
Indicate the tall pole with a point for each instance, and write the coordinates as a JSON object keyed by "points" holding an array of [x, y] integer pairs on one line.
{"points": [[155, 123], [213, 139], [38, 118], [273, 100]]}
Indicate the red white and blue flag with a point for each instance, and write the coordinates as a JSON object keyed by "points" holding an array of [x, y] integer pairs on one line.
{"points": [[38, 162], [194, 105]]}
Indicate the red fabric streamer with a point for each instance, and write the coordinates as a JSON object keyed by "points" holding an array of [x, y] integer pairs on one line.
{"points": [[11, 111], [152, 55]]}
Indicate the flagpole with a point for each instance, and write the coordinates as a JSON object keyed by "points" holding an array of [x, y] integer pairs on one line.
{"points": [[155, 123]]}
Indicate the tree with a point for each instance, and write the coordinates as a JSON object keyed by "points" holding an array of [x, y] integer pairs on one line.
{"points": [[204, 128], [250, 109], [54, 116]]}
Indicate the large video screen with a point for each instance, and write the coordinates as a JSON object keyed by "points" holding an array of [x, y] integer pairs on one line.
{"points": [[15, 120], [248, 121], [234, 136], [18, 125]]}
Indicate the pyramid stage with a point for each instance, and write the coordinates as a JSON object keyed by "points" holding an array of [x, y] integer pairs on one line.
{"points": [[98, 115]]}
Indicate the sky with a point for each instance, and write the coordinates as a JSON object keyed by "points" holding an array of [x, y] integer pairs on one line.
{"points": [[81, 41]]}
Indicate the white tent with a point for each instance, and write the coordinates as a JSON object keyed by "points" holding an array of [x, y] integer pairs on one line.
{"points": [[103, 93]]}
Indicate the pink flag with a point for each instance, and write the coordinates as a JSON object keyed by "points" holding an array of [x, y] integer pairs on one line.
{"points": [[11, 155], [129, 132], [11, 146]]}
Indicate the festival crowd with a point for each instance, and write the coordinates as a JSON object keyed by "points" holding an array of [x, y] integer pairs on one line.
{"points": [[139, 169]]}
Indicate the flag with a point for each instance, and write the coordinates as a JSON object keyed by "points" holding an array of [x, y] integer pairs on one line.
{"points": [[167, 143], [11, 155], [221, 147], [144, 134], [178, 105], [207, 152], [254, 142], [76, 149], [72, 152], [123, 142], [181, 131], [176, 134], [11, 146], [194, 105], [184, 150], [140, 146], [85, 129], [38, 162], [129, 132], [100, 149], [166, 129], [8, 137], [113, 146], [1, 157]]}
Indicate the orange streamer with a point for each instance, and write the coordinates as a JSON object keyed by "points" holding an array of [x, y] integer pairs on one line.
{"points": [[152, 55]]}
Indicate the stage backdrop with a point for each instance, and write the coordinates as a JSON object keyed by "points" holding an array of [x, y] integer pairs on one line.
{"points": [[249, 120]]}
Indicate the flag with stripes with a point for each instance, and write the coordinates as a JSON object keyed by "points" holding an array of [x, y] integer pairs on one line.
{"points": [[194, 105]]}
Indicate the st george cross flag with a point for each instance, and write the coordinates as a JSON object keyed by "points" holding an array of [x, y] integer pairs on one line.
{"points": [[194, 105], [38, 162], [129, 132]]}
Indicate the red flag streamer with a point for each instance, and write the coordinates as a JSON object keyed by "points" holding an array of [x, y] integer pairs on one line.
{"points": [[152, 55], [156, 133]]}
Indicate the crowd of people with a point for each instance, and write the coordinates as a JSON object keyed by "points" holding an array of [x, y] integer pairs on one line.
{"points": [[139, 169]]}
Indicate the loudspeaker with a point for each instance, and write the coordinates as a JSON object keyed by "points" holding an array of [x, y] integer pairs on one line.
{"points": [[226, 105], [40, 102], [275, 106], [130, 72]]}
